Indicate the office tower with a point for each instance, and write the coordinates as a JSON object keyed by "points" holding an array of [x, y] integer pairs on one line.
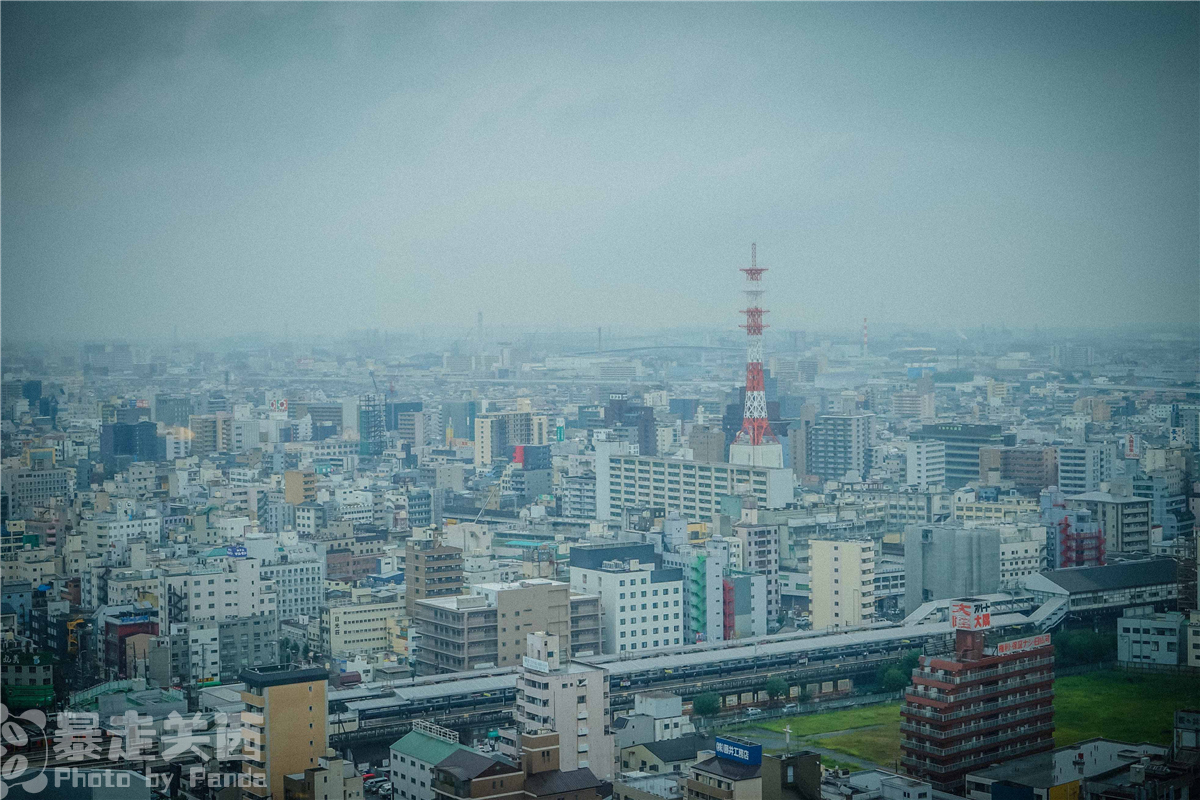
{"points": [[840, 444], [842, 581], [372, 430], [172, 410], [299, 486], [1124, 520], [962, 448], [431, 570], [1082, 468], [496, 432], [948, 560], [642, 603], [925, 463], [755, 445], [283, 725], [620, 413], [707, 443], [624, 480], [984, 705], [798, 435], [138, 441], [555, 694]]}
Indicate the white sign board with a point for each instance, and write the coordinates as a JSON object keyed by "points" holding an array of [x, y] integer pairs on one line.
{"points": [[970, 614]]}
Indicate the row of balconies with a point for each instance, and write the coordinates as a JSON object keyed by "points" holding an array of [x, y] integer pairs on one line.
{"points": [[920, 766], [922, 691], [975, 744], [980, 675], [961, 730]]}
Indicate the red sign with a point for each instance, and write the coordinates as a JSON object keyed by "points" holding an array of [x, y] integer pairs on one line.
{"points": [[1021, 645]]}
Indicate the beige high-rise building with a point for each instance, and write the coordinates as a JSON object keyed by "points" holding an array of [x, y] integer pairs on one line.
{"points": [[567, 697], [283, 725], [211, 433], [842, 582], [431, 569], [299, 486], [488, 627], [496, 431]]}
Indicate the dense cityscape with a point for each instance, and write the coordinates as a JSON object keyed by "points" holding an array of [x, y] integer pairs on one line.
{"points": [[794, 401]]}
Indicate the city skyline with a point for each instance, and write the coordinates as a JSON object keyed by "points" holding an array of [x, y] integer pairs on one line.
{"points": [[233, 169]]}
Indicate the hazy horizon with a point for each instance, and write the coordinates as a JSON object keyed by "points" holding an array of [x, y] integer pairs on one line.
{"points": [[239, 169]]}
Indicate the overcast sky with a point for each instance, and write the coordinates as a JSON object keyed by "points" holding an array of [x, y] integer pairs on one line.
{"points": [[230, 167]]}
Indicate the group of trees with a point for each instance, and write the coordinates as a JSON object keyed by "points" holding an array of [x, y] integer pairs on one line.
{"points": [[1084, 646], [896, 678]]}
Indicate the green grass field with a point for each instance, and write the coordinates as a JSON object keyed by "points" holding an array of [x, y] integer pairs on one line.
{"points": [[843, 720], [879, 745], [1131, 707]]}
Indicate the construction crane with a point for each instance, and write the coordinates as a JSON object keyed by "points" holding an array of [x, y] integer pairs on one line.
{"points": [[371, 372]]}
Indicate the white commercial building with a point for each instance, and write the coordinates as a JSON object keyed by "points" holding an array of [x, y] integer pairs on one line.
{"points": [[641, 607], [690, 487], [925, 463]]}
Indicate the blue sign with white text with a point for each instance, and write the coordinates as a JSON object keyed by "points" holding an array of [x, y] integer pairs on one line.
{"points": [[236, 551], [739, 750]]}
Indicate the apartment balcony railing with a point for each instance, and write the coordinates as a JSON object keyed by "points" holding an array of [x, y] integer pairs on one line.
{"points": [[981, 675], [976, 744], [950, 733], [971, 711], [965, 765], [950, 697]]}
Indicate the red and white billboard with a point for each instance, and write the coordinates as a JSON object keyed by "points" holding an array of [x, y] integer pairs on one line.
{"points": [[970, 614], [1021, 645]]}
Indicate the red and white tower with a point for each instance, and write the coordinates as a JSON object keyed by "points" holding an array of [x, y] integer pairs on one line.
{"points": [[755, 444]]}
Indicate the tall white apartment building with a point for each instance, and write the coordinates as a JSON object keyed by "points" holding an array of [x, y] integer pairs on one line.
{"points": [[842, 582], [220, 589], [298, 572], [925, 463], [570, 698], [1082, 467], [641, 605], [689, 487]]}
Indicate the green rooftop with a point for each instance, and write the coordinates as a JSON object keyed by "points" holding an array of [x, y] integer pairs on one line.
{"points": [[426, 748]]}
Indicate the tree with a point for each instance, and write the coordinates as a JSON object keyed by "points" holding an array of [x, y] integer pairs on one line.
{"points": [[776, 687], [891, 679], [707, 704]]}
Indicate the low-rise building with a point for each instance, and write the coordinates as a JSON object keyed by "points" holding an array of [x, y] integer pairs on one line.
{"points": [[1144, 638]]}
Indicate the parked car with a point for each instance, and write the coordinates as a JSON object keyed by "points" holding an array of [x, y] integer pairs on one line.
{"points": [[753, 712], [791, 708]]}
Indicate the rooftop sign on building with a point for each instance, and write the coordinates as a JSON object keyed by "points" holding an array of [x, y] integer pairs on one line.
{"points": [[738, 750], [970, 614]]}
